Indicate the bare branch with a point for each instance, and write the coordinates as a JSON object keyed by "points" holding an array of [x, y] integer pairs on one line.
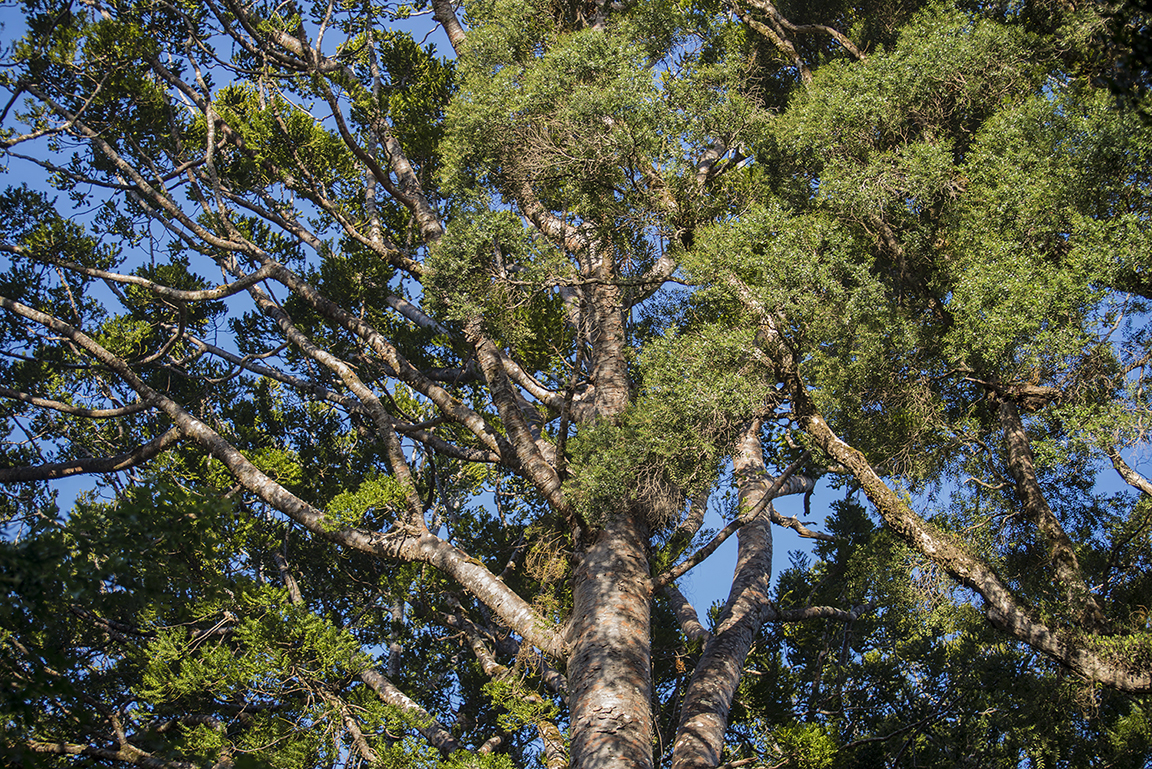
{"points": [[686, 615], [445, 14], [76, 411], [1130, 476], [101, 465], [778, 18], [682, 568]]}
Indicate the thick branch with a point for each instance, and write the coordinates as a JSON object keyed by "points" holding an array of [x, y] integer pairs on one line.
{"points": [[1022, 466], [1130, 476], [784, 484], [114, 464], [708, 699], [686, 615], [445, 15], [536, 467], [823, 29], [555, 755], [776, 614], [429, 727], [945, 550], [402, 543]]}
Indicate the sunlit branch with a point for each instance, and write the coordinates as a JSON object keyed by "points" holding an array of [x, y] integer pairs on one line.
{"points": [[682, 568], [159, 200], [776, 614], [783, 44], [823, 29], [554, 751], [78, 411], [63, 128], [401, 543], [404, 371], [538, 469], [1061, 552], [423, 721], [176, 295], [445, 14], [1130, 476], [686, 614]]}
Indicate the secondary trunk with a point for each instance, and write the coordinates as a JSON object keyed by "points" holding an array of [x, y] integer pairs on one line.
{"points": [[609, 670], [704, 718]]}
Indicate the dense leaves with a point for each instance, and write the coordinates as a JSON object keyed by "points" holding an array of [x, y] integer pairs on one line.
{"points": [[405, 381]]}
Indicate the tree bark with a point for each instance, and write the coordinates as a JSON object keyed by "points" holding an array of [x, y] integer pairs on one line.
{"points": [[1022, 466], [610, 668], [704, 716]]}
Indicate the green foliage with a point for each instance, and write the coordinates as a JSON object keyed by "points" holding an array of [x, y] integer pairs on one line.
{"points": [[348, 508], [698, 390], [960, 211], [519, 711]]}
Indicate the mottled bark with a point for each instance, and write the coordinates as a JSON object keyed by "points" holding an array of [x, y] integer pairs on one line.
{"points": [[1022, 466], [609, 366], [445, 15], [686, 615], [609, 670], [535, 465], [708, 699], [948, 552], [1130, 476]]}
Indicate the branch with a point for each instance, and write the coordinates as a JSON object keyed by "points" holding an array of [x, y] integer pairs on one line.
{"points": [[942, 548], [776, 614], [177, 295], [1130, 476], [686, 615], [404, 371], [682, 568], [445, 14], [429, 727], [542, 474], [127, 754], [402, 543], [76, 411], [777, 17], [782, 43], [555, 755], [708, 698], [1061, 552], [113, 464]]}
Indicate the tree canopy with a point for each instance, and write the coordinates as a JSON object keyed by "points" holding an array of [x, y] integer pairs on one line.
{"points": [[403, 379]]}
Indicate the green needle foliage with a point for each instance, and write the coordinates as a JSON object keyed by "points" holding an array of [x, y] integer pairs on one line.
{"points": [[371, 374]]}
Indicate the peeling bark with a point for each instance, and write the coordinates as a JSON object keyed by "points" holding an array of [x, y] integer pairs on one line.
{"points": [[610, 668]]}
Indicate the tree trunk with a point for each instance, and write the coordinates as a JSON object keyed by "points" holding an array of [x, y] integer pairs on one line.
{"points": [[609, 670], [704, 717]]}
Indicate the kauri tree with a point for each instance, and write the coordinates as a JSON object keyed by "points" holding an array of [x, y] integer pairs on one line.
{"points": [[404, 379]]}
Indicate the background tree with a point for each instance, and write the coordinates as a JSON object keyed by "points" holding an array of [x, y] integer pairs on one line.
{"points": [[410, 379]]}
